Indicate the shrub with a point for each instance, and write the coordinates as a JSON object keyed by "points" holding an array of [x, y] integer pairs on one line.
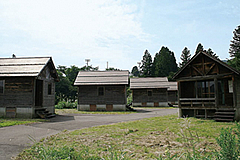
{"points": [[66, 105]]}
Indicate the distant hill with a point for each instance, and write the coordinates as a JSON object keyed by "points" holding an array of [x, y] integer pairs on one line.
{"points": [[224, 60]]}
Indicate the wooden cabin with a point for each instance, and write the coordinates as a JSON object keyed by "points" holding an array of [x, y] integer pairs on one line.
{"points": [[149, 92], [27, 86], [208, 88], [102, 90], [172, 93]]}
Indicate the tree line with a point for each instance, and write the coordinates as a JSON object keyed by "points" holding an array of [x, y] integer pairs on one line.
{"points": [[164, 62], [162, 65]]}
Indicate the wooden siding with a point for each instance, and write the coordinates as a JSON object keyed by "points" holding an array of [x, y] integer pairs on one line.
{"points": [[159, 95], [172, 96], [18, 92], [115, 94], [203, 64], [48, 99], [102, 78]]}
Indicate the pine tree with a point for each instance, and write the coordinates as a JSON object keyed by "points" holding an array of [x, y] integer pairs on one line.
{"points": [[234, 49], [185, 56], [146, 67], [164, 63], [135, 71], [199, 48], [211, 53]]}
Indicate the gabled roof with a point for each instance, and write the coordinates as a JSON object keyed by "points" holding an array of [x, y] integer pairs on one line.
{"points": [[26, 66], [209, 56], [102, 78], [154, 82], [172, 86]]}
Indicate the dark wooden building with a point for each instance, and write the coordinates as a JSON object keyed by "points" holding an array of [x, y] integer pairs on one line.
{"points": [[152, 92], [172, 93], [208, 88], [27, 85], [102, 90]]}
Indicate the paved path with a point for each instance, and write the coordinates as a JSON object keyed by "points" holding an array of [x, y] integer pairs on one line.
{"points": [[16, 138]]}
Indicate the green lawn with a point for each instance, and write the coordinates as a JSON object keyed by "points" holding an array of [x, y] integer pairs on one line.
{"points": [[4, 122], [142, 139]]}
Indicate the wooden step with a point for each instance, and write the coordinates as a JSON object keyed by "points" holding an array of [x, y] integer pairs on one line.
{"points": [[223, 116], [228, 113], [223, 120]]}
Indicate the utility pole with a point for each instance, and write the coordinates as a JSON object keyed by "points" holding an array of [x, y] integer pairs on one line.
{"points": [[107, 64], [87, 60]]}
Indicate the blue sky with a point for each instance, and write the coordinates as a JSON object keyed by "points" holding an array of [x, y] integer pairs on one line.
{"points": [[117, 32]]}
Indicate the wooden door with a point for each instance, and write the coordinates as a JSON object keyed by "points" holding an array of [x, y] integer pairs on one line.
{"points": [[39, 93], [93, 107]]}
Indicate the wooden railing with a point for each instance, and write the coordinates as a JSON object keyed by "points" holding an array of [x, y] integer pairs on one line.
{"points": [[197, 102]]}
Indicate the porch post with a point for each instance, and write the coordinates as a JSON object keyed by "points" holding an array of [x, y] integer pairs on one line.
{"points": [[216, 92], [234, 92], [179, 96]]}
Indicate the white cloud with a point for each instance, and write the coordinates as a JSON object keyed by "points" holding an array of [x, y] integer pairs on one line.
{"points": [[85, 29]]}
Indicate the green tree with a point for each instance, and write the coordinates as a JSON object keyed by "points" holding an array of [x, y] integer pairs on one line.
{"points": [[164, 63], [62, 88], [199, 48], [210, 52], [234, 49], [65, 89], [89, 68], [112, 69], [135, 71], [185, 57], [146, 67]]}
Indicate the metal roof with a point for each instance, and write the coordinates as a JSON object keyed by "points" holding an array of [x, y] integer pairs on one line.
{"points": [[102, 78], [27, 66], [156, 82], [172, 86]]}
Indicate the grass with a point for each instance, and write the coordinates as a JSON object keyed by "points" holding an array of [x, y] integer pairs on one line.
{"points": [[151, 138], [4, 122], [74, 111]]}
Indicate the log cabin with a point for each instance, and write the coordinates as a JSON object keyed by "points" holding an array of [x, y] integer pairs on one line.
{"points": [[27, 87], [102, 90], [208, 88], [149, 92]]}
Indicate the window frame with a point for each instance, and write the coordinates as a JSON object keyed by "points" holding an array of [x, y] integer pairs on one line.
{"points": [[98, 91], [49, 88], [149, 91]]}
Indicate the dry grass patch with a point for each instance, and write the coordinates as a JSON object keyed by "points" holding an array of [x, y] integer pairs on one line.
{"points": [[143, 139]]}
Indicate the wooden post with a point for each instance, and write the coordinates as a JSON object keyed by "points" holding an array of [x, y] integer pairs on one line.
{"points": [[179, 96], [195, 113], [216, 92], [179, 93], [205, 113], [234, 92]]}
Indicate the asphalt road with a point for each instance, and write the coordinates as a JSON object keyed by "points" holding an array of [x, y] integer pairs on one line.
{"points": [[14, 139]]}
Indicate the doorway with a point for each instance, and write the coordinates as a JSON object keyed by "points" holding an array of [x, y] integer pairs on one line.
{"points": [[39, 93]]}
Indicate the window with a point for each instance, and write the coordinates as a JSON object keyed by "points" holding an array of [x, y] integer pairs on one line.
{"points": [[100, 91], [149, 92], [49, 88], [205, 89], [2, 86]]}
